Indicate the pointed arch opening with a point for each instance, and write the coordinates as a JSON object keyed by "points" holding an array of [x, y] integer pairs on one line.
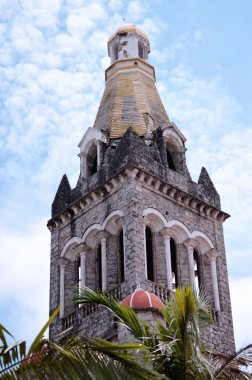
{"points": [[149, 253]]}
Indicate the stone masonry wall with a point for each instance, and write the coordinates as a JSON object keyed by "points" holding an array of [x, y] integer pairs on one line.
{"points": [[133, 197]]}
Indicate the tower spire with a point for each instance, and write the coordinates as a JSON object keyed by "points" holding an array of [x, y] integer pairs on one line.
{"points": [[130, 98]]}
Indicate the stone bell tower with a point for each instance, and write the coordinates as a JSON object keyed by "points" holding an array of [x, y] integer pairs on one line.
{"points": [[136, 220]]}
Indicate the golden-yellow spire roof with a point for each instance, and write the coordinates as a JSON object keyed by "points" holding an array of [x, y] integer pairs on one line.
{"points": [[130, 98]]}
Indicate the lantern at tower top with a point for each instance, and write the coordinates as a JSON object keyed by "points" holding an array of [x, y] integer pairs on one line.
{"points": [[128, 41]]}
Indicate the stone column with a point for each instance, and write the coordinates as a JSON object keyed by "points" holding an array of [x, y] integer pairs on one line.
{"points": [[166, 233], [83, 164], [104, 263], [62, 262], [103, 235], [190, 245], [98, 147], [83, 267], [212, 255]]}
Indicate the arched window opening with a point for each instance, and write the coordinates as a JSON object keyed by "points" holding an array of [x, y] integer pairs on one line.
{"points": [[121, 256], [78, 272], [99, 267], [174, 264], [149, 254], [170, 160], [140, 49], [78, 275], [92, 160], [196, 269], [115, 51]]}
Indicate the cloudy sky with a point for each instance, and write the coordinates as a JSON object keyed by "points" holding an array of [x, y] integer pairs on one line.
{"points": [[52, 60]]}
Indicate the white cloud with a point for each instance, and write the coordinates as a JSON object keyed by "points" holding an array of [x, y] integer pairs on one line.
{"points": [[136, 10], [25, 280], [42, 13], [153, 27], [115, 5], [83, 20], [242, 309]]}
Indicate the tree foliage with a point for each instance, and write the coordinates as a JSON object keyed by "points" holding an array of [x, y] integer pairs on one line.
{"points": [[172, 349], [174, 346]]}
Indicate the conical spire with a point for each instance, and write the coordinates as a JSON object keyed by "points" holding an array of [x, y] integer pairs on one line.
{"points": [[62, 196], [130, 98]]}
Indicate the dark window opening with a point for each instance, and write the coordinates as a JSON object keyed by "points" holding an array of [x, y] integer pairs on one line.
{"points": [[174, 264], [121, 256], [99, 267], [149, 254], [140, 49], [115, 51], [170, 161], [196, 269], [92, 164], [78, 272], [78, 276]]}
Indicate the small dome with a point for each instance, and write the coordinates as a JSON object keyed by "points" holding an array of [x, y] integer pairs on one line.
{"points": [[128, 28], [142, 299]]}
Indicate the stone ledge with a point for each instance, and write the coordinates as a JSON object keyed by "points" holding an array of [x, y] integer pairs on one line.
{"points": [[150, 181]]}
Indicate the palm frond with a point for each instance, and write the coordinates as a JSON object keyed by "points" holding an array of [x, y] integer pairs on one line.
{"points": [[234, 366], [126, 315], [184, 314]]}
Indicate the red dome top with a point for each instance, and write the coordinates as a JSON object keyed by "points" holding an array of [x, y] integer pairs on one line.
{"points": [[142, 299]]}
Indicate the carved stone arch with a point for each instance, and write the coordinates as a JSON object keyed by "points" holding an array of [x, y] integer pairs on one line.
{"points": [[69, 249], [179, 230], [174, 145], [90, 157], [154, 218], [113, 227], [203, 243], [154, 222], [113, 222], [90, 235]]}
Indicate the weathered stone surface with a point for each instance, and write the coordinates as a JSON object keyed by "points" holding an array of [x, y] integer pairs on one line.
{"points": [[142, 180]]}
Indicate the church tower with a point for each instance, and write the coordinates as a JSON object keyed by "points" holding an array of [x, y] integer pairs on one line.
{"points": [[136, 225]]}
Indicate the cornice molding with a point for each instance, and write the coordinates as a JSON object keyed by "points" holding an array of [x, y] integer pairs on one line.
{"points": [[150, 181]]}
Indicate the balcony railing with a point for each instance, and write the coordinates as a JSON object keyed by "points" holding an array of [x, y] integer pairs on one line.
{"points": [[161, 292], [87, 309], [116, 292], [77, 316], [69, 320]]}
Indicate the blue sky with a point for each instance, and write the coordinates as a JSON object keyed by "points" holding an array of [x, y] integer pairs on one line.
{"points": [[52, 60]]}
